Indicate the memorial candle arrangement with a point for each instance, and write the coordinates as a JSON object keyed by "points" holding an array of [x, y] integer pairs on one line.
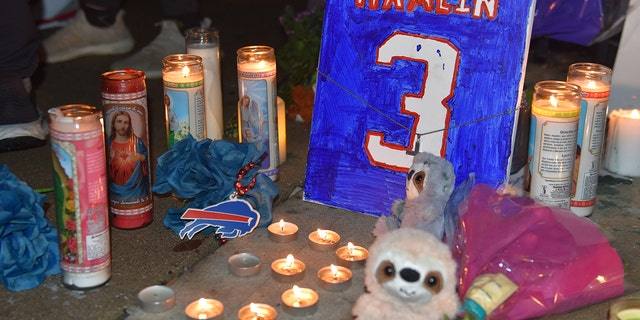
{"points": [[552, 144], [622, 154], [204, 42], [204, 309], [183, 80], [595, 83], [257, 109]]}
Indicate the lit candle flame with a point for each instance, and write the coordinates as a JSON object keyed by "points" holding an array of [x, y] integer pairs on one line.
{"points": [[334, 271], [289, 262], [203, 305], [322, 234], [554, 101], [297, 292], [350, 247], [591, 84], [253, 307], [185, 71], [635, 114], [281, 225]]}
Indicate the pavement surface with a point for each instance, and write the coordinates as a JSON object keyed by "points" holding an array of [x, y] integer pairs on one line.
{"points": [[197, 267]]}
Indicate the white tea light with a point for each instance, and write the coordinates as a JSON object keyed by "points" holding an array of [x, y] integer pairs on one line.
{"points": [[323, 240], [156, 299], [204, 309], [244, 264]]}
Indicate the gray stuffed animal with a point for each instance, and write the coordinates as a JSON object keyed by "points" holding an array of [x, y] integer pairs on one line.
{"points": [[430, 183]]}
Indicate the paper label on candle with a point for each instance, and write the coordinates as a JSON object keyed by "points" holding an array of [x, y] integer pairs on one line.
{"points": [[212, 88], [128, 157], [257, 113], [184, 107], [553, 142], [81, 200]]}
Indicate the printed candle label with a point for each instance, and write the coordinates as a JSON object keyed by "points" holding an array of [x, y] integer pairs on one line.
{"points": [[212, 87], [184, 107], [554, 141], [257, 114], [127, 146], [593, 116], [81, 200]]}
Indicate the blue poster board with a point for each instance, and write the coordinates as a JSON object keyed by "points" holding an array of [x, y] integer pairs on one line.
{"points": [[397, 76]]}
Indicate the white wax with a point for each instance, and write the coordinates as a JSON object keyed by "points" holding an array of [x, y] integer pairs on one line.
{"points": [[623, 143], [210, 55]]}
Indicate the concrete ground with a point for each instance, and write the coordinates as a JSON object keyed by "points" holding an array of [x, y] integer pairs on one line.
{"points": [[198, 267]]}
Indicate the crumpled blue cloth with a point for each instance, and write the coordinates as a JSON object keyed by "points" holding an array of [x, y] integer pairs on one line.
{"points": [[204, 172], [28, 241]]}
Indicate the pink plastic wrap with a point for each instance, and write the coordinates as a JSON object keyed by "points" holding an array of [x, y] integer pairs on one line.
{"points": [[558, 260]]}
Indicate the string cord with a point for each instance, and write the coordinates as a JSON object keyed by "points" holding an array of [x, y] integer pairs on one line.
{"points": [[364, 102]]}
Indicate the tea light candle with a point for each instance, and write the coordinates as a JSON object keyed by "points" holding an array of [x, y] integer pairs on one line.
{"points": [[625, 309], [323, 240], [283, 231], [334, 278], [352, 256], [257, 311], [623, 143], [156, 299], [300, 301], [244, 264], [204, 309], [288, 269]]}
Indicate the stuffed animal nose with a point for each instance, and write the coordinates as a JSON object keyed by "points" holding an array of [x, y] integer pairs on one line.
{"points": [[409, 275]]}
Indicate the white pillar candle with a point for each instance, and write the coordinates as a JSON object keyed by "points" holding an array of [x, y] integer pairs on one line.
{"points": [[595, 83], [623, 143], [204, 42]]}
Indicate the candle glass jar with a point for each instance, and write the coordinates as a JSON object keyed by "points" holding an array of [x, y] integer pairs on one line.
{"points": [[595, 84], [204, 42], [124, 103], [80, 183], [552, 146], [257, 108], [183, 81], [623, 143]]}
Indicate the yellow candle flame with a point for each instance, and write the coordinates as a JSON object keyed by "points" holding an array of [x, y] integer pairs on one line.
{"points": [[591, 84], [322, 234], [203, 306], [635, 114], [350, 247], [254, 308], [289, 261], [297, 292], [281, 225], [334, 271], [185, 71], [554, 101]]}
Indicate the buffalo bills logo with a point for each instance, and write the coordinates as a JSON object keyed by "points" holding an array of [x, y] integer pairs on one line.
{"points": [[232, 218]]}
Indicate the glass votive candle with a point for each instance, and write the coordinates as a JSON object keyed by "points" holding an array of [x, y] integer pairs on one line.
{"points": [[323, 240]]}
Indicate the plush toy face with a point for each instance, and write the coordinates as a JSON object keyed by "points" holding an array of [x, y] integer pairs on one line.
{"points": [[409, 278]]}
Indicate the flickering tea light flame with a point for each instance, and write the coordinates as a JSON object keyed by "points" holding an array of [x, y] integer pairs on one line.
{"points": [[322, 234], [334, 271], [281, 224], [350, 249], [289, 262]]}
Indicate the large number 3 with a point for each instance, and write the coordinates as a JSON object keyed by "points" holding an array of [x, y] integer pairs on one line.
{"points": [[429, 107]]}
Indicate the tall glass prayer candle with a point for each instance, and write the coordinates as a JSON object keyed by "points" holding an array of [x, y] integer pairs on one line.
{"points": [[552, 143], [257, 108], [595, 83], [183, 79], [80, 184], [124, 102], [204, 42]]}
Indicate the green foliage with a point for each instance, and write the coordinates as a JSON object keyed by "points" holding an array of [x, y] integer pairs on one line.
{"points": [[297, 60]]}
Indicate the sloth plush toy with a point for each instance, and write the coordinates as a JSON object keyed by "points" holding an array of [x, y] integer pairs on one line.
{"points": [[430, 183], [410, 274]]}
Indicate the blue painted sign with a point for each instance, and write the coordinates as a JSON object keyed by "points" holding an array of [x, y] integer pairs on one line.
{"points": [[399, 76]]}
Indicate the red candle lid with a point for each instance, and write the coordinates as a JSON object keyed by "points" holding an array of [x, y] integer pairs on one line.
{"points": [[123, 81]]}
